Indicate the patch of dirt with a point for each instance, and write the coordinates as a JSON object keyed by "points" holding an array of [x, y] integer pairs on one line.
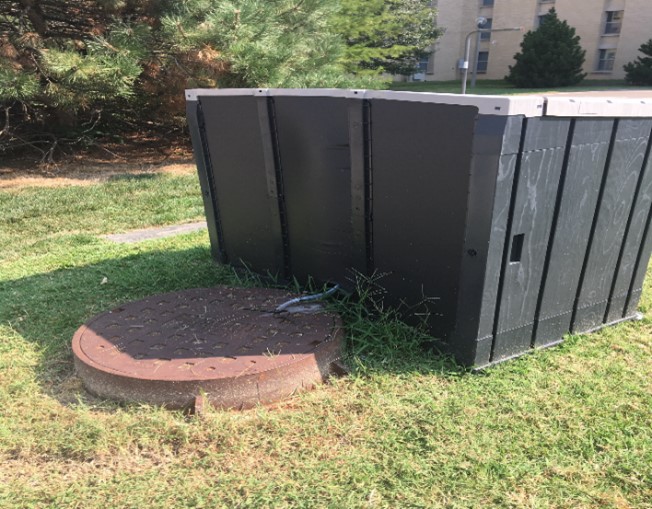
{"points": [[136, 155], [82, 175]]}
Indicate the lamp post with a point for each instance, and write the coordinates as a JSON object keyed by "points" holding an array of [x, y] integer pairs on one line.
{"points": [[481, 23], [467, 49]]}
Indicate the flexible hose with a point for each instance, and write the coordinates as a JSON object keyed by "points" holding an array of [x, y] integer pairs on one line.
{"points": [[307, 298]]}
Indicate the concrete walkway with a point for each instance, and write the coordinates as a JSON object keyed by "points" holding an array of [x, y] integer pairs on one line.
{"points": [[154, 233]]}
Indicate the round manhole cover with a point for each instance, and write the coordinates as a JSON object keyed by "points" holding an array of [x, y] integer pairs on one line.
{"points": [[225, 342]]}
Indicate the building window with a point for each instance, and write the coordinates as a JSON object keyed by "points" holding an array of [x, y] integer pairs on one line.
{"points": [[423, 64], [422, 69], [483, 62], [613, 22], [486, 36], [606, 60], [487, 3]]}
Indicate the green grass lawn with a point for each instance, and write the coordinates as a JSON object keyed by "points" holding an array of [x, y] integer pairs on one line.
{"points": [[500, 87], [567, 427]]}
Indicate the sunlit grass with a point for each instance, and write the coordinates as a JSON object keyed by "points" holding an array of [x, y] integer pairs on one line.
{"points": [[567, 427], [501, 87]]}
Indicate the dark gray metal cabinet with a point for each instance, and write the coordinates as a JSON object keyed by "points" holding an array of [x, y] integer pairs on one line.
{"points": [[506, 221]]}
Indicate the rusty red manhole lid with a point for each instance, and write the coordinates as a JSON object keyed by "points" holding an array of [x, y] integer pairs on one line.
{"points": [[225, 342]]}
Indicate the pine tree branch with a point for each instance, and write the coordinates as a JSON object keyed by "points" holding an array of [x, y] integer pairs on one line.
{"points": [[32, 9]]}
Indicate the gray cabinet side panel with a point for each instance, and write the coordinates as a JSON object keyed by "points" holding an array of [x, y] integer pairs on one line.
{"points": [[205, 174], [233, 136], [492, 136], [313, 134], [421, 157], [640, 271], [358, 120], [632, 245], [496, 244], [528, 237], [586, 165], [499, 215], [626, 163], [498, 231]]}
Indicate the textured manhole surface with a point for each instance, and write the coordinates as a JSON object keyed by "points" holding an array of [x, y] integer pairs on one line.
{"points": [[225, 342]]}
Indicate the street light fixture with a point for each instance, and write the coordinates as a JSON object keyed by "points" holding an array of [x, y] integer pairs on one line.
{"points": [[467, 46]]}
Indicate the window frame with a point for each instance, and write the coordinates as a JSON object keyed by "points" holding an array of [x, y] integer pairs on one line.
{"points": [[605, 62], [613, 22], [486, 36], [482, 65]]}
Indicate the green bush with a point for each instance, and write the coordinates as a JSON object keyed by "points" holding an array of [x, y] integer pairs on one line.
{"points": [[66, 65], [386, 35], [551, 56], [639, 72], [69, 70]]}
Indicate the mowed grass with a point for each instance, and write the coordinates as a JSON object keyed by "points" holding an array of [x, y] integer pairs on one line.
{"points": [[501, 87], [567, 427]]}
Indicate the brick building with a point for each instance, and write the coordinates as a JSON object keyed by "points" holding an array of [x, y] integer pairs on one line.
{"points": [[611, 32]]}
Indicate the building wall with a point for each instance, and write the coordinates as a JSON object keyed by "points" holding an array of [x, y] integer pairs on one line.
{"points": [[504, 45], [637, 29], [457, 19], [588, 17]]}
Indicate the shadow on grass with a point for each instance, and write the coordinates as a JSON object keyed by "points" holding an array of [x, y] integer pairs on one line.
{"points": [[46, 309]]}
